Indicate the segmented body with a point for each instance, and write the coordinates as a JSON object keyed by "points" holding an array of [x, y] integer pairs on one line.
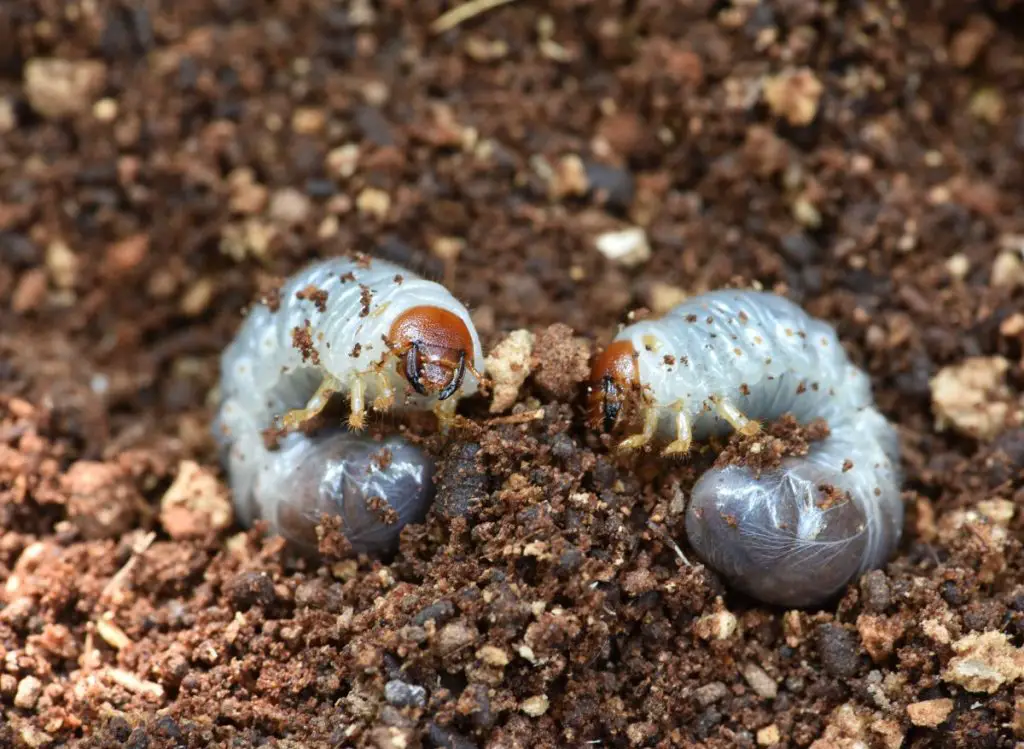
{"points": [[727, 360], [357, 328]]}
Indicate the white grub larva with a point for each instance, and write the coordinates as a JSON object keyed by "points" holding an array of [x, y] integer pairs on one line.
{"points": [[793, 536], [360, 328]]}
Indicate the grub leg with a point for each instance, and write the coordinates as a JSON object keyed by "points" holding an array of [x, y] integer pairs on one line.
{"points": [[681, 444], [296, 418], [357, 402], [639, 440], [445, 413], [385, 393], [736, 418]]}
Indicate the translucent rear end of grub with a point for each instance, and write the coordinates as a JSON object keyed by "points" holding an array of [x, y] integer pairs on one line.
{"points": [[354, 478], [779, 538]]}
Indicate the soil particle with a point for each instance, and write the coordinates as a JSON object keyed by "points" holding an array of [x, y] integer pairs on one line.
{"points": [[984, 662], [1007, 458], [626, 247], [59, 88], [28, 693], [794, 95], [445, 738], [879, 635], [315, 295], [611, 186], [974, 398], [1008, 270], [508, 366], [766, 450], [875, 589], [289, 207], [102, 501], [719, 625], [930, 713], [837, 649], [252, 589], [462, 480], [760, 681], [400, 694], [439, 613], [302, 339], [562, 361], [196, 504], [711, 693]]}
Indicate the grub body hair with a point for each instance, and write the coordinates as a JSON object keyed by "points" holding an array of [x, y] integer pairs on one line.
{"points": [[776, 536], [331, 326]]}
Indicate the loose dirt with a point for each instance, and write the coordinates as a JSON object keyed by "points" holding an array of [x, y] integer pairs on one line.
{"points": [[164, 165]]}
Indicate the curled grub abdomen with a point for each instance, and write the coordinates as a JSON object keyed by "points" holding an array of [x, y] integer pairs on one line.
{"points": [[778, 537], [373, 489]]}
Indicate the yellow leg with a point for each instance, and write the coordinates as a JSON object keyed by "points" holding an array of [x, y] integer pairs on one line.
{"points": [[298, 417], [639, 440], [736, 418], [681, 444], [386, 394], [357, 402], [445, 413]]}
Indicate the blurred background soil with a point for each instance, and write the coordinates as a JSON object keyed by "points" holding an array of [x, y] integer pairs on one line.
{"points": [[163, 163]]}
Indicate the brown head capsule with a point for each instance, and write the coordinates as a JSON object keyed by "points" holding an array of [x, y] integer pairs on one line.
{"points": [[433, 345], [613, 377]]}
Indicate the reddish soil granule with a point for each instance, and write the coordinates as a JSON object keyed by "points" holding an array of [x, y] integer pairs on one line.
{"points": [[315, 295]]}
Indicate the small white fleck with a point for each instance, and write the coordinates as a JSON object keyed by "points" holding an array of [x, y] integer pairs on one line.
{"points": [[99, 384], [628, 247]]}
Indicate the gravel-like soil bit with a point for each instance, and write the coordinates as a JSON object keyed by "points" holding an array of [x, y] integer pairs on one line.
{"points": [[195, 504], [400, 694], [439, 613], [838, 650], [611, 186], [102, 500], [462, 480], [446, 738], [563, 361], [1007, 457], [252, 589], [119, 728], [137, 739], [874, 587]]}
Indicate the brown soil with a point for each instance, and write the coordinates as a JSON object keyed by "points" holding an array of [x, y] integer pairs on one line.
{"points": [[188, 155]]}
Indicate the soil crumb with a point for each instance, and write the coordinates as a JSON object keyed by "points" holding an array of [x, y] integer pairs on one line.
{"points": [[779, 439]]}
